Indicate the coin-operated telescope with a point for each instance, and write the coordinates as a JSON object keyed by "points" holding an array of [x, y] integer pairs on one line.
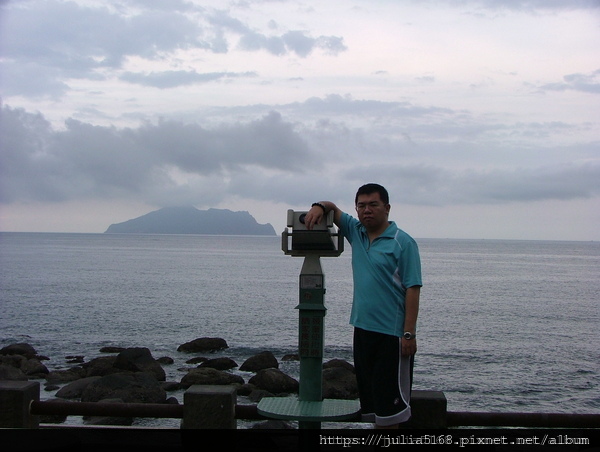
{"points": [[310, 408], [321, 240]]}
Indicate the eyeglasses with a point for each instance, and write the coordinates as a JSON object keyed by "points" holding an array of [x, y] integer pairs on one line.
{"points": [[372, 205]]}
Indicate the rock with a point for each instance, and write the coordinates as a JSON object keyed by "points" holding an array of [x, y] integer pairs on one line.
{"points": [[139, 387], [257, 395], [245, 390], [29, 366], [219, 363], [291, 357], [74, 390], [33, 367], [12, 373], [65, 375], [172, 401], [274, 381], [139, 359], [339, 363], [339, 383], [165, 360], [74, 359], [208, 376], [260, 361], [101, 366], [22, 349], [196, 360], [203, 344], [170, 386]]}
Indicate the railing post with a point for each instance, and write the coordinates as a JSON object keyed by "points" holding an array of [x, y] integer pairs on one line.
{"points": [[15, 398], [429, 409], [209, 407]]}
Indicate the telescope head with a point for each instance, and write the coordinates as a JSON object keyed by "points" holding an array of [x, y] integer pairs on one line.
{"points": [[298, 240]]}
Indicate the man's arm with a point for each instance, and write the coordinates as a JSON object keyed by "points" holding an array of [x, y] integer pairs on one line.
{"points": [[316, 214], [411, 312]]}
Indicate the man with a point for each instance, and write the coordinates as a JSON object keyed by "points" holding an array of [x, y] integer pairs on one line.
{"points": [[386, 269]]}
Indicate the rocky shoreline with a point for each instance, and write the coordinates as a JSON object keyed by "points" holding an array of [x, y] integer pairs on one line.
{"points": [[133, 375]]}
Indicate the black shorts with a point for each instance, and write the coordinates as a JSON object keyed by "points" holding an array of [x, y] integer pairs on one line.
{"points": [[384, 377]]}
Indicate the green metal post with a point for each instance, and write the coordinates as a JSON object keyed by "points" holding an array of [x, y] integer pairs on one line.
{"points": [[311, 332]]}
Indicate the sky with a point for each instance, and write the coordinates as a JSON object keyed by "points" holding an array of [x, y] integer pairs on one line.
{"points": [[480, 117]]}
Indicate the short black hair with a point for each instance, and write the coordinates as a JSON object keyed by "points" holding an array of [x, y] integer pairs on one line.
{"points": [[367, 189]]}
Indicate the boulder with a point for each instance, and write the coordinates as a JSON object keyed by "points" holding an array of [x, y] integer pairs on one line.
{"points": [[203, 344], [196, 360], [339, 383], [74, 390], [65, 375], [29, 366], [209, 376], [75, 359], [274, 381], [291, 357], [33, 367], [139, 359], [260, 361], [338, 363], [258, 394], [101, 366], [219, 363], [139, 387], [22, 349], [8, 372]]}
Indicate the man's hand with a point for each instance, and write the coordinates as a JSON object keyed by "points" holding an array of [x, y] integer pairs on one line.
{"points": [[409, 346], [313, 216]]}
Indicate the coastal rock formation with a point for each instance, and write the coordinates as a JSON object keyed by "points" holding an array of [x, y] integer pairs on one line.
{"points": [[74, 390], [134, 376], [29, 366], [20, 348], [274, 381], [9, 372], [203, 344], [219, 363], [339, 383], [139, 359], [209, 376], [263, 360], [138, 387]]}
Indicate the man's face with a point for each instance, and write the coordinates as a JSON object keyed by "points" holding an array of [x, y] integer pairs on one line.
{"points": [[372, 212]]}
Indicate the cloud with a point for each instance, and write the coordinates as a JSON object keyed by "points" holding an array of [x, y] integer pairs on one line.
{"points": [[524, 5], [99, 41], [269, 157], [86, 161], [586, 83], [172, 79]]}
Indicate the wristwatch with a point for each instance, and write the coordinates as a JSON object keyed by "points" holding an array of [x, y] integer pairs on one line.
{"points": [[408, 335]]}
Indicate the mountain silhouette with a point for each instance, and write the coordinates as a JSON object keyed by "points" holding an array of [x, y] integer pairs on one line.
{"points": [[189, 220]]}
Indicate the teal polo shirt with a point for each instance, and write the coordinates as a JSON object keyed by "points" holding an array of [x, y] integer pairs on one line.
{"points": [[382, 271]]}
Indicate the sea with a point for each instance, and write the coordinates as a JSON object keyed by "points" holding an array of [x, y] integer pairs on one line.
{"points": [[504, 325]]}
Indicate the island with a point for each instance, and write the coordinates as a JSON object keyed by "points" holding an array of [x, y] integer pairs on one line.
{"points": [[189, 220]]}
